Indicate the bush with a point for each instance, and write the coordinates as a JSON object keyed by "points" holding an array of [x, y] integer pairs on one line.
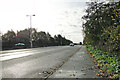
{"points": [[109, 64]]}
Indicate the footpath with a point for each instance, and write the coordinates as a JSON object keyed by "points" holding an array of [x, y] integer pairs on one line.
{"points": [[79, 65]]}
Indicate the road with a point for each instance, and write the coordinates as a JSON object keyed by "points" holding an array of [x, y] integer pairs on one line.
{"points": [[35, 62], [79, 66]]}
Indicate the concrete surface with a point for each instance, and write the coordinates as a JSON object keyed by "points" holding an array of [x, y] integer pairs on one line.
{"points": [[35, 62], [78, 66]]}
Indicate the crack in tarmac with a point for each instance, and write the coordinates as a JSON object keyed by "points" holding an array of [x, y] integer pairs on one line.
{"points": [[48, 73]]}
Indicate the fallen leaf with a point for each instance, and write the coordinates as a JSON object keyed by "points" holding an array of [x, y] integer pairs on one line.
{"points": [[101, 73], [54, 68], [97, 74], [73, 74]]}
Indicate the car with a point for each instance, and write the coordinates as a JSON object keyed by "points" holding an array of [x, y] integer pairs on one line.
{"points": [[71, 44], [20, 45]]}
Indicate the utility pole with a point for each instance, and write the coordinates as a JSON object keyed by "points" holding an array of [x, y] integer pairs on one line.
{"points": [[31, 45], [61, 36]]}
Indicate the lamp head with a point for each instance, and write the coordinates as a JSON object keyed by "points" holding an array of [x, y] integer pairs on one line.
{"points": [[33, 15]]}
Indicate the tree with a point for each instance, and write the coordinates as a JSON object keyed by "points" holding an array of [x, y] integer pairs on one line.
{"points": [[101, 27], [8, 39], [39, 39]]}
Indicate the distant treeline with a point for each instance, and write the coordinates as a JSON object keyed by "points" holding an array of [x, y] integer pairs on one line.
{"points": [[39, 39]]}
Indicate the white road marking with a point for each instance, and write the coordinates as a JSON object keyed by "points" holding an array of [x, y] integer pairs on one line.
{"points": [[8, 56]]}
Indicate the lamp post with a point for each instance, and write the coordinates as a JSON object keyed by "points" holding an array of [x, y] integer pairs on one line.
{"points": [[61, 37], [31, 45]]}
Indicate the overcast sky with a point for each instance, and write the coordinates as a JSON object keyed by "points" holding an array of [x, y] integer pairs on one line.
{"points": [[53, 16]]}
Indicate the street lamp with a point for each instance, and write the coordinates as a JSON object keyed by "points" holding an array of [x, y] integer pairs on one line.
{"points": [[61, 37], [31, 45]]}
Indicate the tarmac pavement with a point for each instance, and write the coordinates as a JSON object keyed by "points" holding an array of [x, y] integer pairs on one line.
{"points": [[79, 65]]}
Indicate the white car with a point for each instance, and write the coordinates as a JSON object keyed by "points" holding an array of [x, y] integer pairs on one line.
{"points": [[71, 44], [20, 44]]}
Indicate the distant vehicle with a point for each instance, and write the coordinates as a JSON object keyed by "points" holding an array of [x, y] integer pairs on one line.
{"points": [[71, 44], [20, 45]]}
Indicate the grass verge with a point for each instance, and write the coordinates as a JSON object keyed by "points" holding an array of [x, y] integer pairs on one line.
{"points": [[109, 65]]}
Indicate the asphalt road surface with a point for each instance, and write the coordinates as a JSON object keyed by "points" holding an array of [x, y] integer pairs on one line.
{"points": [[35, 62]]}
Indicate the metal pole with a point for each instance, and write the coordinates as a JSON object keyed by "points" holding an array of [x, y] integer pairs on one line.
{"points": [[31, 44], [31, 31]]}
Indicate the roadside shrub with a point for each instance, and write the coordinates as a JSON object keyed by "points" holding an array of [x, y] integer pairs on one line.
{"points": [[109, 64]]}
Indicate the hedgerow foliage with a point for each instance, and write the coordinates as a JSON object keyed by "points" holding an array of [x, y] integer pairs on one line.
{"points": [[108, 64], [102, 26]]}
